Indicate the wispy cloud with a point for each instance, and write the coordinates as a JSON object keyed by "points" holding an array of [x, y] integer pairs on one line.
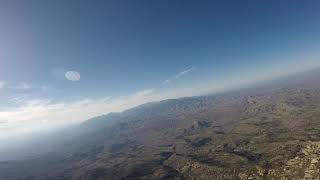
{"points": [[18, 99], [50, 89], [145, 92], [179, 75], [21, 86]]}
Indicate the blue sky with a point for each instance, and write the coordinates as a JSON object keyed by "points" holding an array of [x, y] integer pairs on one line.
{"points": [[127, 49]]}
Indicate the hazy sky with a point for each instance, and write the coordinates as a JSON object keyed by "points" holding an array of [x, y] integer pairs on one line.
{"points": [[72, 60]]}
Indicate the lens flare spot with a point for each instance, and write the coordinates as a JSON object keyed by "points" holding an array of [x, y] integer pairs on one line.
{"points": [[72, 75]]}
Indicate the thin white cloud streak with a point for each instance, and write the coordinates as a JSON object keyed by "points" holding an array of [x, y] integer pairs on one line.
{"points": [[179, 75], [21, 86], [18, 99], [145, 92], [49, 89]]}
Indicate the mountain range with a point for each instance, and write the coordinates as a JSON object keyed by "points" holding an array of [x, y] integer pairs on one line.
{"points": [[269, 130]]}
